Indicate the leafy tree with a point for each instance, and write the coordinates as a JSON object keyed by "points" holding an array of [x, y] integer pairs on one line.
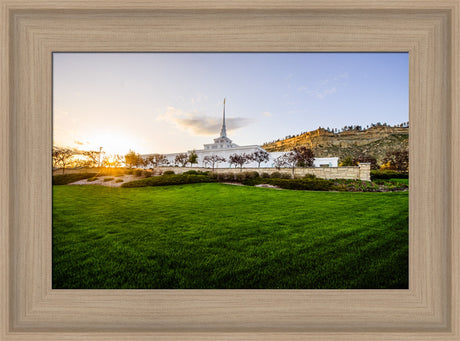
{"points": [[304, 156], [62, 157], [346, 162], [397, 160], [132, 159], [366, 159], [239, 160], [193, 157], [260, 156], [181, 159], [213, 160]]}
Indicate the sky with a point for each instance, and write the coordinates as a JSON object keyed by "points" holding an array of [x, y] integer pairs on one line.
{"points": [[172, 102]]}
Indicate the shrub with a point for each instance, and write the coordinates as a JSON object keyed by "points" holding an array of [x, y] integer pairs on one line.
{"points": [[129, 171], [138, 172], [119, 180], [265, 175], [240, 176], [229, 176], [92, 179], [108, 179], [388, 174], [147, 173], [310, 176], [276, 175], [297, 184], [252, 175], [304, 184], [64, 179], [285, 176], [174, 179], [168, 172], [195, 172]]}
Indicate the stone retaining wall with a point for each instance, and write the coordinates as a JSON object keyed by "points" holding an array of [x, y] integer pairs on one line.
{"points": [[361, 172]]}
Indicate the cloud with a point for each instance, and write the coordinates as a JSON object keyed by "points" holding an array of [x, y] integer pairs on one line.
{"points": [[267, 114], [325, 87], [79, 143], [323, 93], [198, 124]]}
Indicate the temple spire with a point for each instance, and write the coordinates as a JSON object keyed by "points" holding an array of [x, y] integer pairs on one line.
{"points": [[223, 130]]}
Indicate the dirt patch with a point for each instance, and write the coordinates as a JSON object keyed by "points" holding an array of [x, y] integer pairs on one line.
{"points": [[111, 183], [267, 186], [232, 183]]}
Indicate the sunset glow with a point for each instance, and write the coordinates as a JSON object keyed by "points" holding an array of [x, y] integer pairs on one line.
{"points": [[172, 102]]}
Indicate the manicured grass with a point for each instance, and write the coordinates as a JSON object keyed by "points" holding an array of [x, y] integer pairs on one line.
{"points": [[214, 235], [401, 181]]}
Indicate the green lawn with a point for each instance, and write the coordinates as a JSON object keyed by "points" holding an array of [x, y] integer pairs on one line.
{"points": [[223, 236]]}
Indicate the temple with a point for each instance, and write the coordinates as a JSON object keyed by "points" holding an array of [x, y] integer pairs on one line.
{"points": [[224, 147], [222, 142]]}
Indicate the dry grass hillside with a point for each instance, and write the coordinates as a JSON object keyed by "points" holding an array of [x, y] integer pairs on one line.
{"points": [[375, 141]]}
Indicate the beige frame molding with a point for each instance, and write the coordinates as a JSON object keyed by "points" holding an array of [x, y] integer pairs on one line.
{"points": [[31, 30]]}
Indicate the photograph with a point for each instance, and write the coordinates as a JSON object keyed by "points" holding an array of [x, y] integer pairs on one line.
{"points": [[230, 170]]}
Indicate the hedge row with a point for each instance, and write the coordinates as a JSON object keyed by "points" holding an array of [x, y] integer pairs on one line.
{"points": [[388, 174], [166, 180], [309, 184], [64, 179]]}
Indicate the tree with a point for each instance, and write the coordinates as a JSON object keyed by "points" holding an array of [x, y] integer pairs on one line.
{"points": [[397, 160], [193, 157], [366, 159], [346, 162], [181, 159], [260, 156], [213, 160], [279, 162], [92, 158], [157, 160], [132, 159], [112, 161], [239, 160], [304, 156], [290, 160], [62, 157]]}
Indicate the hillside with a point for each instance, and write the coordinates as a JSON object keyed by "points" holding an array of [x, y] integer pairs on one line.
{"points": [[375, 141]]}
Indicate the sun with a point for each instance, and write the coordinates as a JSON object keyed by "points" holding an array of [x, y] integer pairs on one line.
{"points": [[113, 143]]}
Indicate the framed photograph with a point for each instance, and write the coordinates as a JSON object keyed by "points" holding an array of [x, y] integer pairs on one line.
{"points": [[160, 184], [72, 270]]}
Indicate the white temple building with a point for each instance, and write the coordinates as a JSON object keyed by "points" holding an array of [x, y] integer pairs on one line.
{"points": [[224, 147]]}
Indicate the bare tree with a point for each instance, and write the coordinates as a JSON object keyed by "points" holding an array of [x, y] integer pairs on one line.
{"points": [[92, 158], [213, 160], [181, 159], [280, 162], [239, 160], [289, 160], [157, 160], [260, 156], [62, 157]]}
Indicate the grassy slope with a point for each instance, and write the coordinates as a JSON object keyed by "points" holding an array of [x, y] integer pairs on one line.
{"points": [[223, 236]]}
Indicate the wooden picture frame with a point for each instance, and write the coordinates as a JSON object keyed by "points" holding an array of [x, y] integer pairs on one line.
{"points": [[32, 30]]}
